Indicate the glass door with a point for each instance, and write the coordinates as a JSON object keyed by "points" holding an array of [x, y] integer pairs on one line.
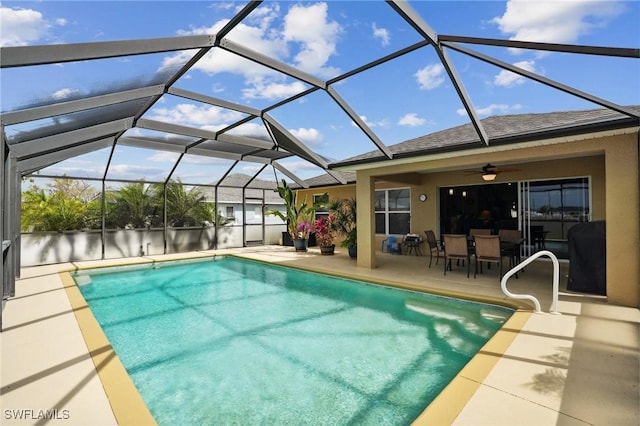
{"points": [[488, 206], [548, 209]]}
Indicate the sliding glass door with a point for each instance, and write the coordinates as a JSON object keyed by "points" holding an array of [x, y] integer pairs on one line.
{"points": [[548, 209]]}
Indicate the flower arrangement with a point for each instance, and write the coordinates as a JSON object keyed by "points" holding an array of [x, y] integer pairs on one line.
{"points": [[324, 227], [304, 228]]}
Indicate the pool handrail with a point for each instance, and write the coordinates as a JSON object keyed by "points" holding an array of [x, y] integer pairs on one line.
{"points": [[556, 280]]}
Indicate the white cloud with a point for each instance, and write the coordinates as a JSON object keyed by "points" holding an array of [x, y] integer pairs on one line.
{"points": [[194, 115], [64, 93], [129, 171], [21, 27], [202, 160], [312, 137], [412, 120], [251, 130], [558, 21], [271, 91], [509, 79], [493, 109], [309, 26], [162, 157], [380, 123], [301, 167], [430, 76], [306, 28], [381, 33]]}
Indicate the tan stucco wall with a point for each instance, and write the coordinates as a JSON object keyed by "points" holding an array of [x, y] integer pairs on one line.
{"points": [[610, 161], [623, 222]]}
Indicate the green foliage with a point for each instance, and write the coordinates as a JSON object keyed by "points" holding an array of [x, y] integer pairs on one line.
{"points": [[297, 215], [65, 205], [185, 207], [74, 205], [132, 206], [344, 212]]}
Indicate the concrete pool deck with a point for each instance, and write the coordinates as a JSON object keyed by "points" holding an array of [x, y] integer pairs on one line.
{"points": [[577, 368]]}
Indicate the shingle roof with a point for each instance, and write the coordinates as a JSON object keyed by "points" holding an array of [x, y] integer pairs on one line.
{"points": [[328, 180], [503, 129]]}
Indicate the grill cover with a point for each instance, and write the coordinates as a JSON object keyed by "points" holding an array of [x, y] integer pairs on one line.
{"points": [[588, 258]]}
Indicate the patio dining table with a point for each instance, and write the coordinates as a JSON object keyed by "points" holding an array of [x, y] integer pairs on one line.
{"points": [[507, 244]]}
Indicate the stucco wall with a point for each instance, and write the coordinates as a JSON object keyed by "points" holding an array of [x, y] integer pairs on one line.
{"points": [[610, 161], [42, 248]]}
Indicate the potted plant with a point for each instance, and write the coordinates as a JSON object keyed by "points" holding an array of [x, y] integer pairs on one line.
{"points": [[324, 227], [297, 217], [344, 212]]}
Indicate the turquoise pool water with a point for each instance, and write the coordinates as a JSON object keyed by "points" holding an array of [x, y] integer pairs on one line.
{"points": [[231, 341]]}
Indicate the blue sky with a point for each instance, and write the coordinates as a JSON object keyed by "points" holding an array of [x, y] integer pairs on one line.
{"points": [[403, 99]]}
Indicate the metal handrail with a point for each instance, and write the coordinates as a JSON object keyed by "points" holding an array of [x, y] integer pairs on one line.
{"points": [[556, 280]]}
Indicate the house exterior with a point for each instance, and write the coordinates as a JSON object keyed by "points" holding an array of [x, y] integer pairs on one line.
{"points": [[594, 150]]}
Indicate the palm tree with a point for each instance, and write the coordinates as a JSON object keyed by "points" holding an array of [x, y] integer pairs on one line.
{"points": [[132, 205], [185, 207], [344, 211]]}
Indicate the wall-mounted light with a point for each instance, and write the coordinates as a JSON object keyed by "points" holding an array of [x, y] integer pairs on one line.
{"points": [[464, 193], [488, 176], [450, 191]]}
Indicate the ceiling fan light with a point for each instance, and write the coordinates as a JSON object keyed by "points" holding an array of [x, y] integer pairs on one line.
{"points": [[488, 176]]}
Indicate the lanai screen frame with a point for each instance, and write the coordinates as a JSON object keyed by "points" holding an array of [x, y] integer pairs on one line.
{"points": [[28, 156]]}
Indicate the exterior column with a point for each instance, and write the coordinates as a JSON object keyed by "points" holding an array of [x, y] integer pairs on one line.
{"points": [[623, 223], [365, 202]]}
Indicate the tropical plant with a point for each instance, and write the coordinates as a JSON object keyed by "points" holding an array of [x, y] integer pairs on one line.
{"points": [[132, 205], [344, 212], [297, 216], [65, 205], [324, 228], [184, 207]]}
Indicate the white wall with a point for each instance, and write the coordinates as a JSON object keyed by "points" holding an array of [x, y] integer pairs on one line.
{"points": [[41, 248]]}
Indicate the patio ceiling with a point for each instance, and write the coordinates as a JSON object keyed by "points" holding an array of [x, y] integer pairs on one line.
{"points": [[113, 122]]}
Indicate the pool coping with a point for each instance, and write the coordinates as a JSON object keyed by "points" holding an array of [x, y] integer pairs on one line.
{"points": [[126, 402], [129, 407]]}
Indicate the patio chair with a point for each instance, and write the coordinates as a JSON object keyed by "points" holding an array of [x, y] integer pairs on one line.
{"points": [[434, 246], [487, 249], [510, 242], [509, 248], [455, 247], [392, 245], [539, 236], [412, 243], [479, 231]]}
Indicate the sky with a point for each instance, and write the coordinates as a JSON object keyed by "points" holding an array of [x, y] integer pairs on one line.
{"points": [[402, 99]]}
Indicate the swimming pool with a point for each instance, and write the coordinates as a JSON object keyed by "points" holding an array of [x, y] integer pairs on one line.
{"points": [[235, 341]]}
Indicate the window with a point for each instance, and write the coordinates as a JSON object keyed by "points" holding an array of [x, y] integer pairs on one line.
{"points": [[321, 199], [557, 205], [393, 211], [229, 212]]}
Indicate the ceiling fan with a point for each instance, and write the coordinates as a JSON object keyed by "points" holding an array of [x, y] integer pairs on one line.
{"points": [[489, 171]]}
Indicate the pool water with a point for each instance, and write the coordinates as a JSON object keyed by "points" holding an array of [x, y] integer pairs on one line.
{"points": [[232, 341]]}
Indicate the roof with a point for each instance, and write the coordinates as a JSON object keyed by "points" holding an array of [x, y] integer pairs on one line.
{"points": [[504, 129]]}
